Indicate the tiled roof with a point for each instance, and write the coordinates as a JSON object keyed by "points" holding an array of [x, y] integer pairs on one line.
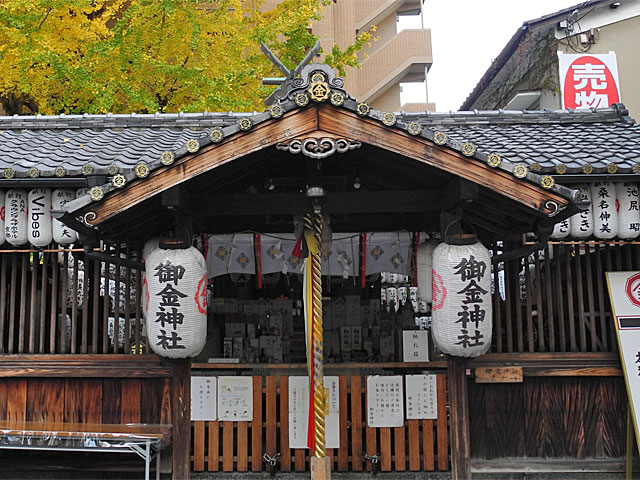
{"points": [[530, 145], [73, 141], [550, 141], [543, 139]]}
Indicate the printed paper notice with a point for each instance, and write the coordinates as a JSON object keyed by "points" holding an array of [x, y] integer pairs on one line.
{"points": [[385, 401], [422, 397], [203, 399], [299, 412], [235, 399]]}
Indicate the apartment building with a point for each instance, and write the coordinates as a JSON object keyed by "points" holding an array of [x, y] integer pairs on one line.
{"points": [[399, 55]]}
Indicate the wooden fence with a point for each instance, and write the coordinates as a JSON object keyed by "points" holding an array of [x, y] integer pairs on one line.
{"points": [[549, 417], [418, 445], [62, 301], [556, 299]]}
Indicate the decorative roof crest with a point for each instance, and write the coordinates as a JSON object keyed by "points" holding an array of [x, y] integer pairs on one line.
{"points": [[308, 82]]}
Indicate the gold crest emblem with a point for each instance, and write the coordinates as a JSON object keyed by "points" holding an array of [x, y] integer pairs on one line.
{"points": [[520, 171], [547, 181], [319, 89], [494, 160]]}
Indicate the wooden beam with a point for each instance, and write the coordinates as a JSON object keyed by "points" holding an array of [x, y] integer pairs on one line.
{"points": [[459, 414], [353, 223], [87, 366], [360, 202], [343, 122], [269, 133], [181, 421]]}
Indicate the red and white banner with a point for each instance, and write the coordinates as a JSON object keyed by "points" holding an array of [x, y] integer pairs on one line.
{"points": [[588, 80]]}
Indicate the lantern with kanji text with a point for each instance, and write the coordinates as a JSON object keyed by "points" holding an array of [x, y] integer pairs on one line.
{"points": [[177, 305], [461, 319]]}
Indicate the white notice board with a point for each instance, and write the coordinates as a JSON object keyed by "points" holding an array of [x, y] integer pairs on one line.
{"points": [[299, 412], [415, 346], [422, 397], [235, 399], [624, 292], [203, 399], [385, 402]]}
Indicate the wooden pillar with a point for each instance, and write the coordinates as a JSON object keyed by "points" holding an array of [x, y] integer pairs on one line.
{"points": [[459, 419], [180, 412]]}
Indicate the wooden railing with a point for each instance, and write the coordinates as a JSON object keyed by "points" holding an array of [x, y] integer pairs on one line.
{"points": [[64, 301], [556, 299], [418, 445]]}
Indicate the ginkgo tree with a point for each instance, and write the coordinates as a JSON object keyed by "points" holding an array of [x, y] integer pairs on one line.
{"points": [[98, 56]]}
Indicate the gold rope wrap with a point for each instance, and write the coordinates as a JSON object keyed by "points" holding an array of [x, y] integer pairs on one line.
{"points": [[319, 399]]}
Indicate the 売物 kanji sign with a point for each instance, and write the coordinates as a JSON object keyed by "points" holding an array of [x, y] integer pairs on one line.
{"points": [[588, 81]]}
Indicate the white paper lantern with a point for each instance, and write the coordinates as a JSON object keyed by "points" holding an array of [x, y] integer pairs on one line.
{"points": [[177, 311], [461, 321], [561, 229], [424, 268], [582, 223], [62, 234], [151, 245], [2, 210], [39, 230], [15, 227], [605, 214], [628, 212]]}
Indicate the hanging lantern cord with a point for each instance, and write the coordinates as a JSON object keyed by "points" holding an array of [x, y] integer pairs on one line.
{"points": [[319, 400]]}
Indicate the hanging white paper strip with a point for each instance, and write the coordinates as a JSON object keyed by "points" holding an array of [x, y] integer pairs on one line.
{"points": [[299, 412], [231, 254], [582, 223], [628, 212], [277, 254], [605, 214], [424, 269], [343, 259], [389, 252]]}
